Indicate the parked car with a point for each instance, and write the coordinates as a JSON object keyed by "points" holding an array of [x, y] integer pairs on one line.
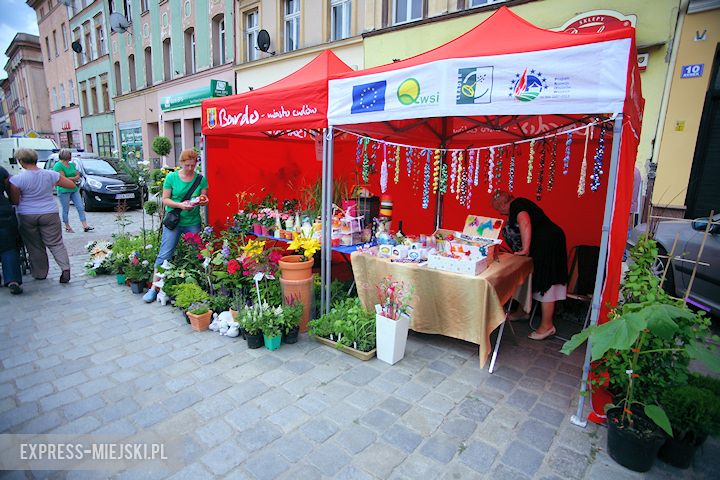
{"points": [[43, 146], [102, 184], [705, 291]]}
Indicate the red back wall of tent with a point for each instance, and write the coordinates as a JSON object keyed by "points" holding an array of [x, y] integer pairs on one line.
{"points": [[236, 165]]}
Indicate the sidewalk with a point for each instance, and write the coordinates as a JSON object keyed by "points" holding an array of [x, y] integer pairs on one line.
{"points": [[91, 357]]}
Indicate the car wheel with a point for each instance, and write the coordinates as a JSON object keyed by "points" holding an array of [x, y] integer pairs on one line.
{"points": [[659, 267], [88, 201]]}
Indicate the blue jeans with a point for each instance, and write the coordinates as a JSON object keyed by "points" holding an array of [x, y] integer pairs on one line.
{"points": [[65, 198], [11, 266], [170, 239]]}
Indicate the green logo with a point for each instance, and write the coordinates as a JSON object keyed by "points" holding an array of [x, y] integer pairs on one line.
{"points": [[408, 91]]}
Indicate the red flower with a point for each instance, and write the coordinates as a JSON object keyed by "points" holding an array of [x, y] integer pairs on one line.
{"points": [[200, 257], [233, 267], [275, 257]]}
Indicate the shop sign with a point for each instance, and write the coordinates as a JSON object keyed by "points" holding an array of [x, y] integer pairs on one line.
{"points": [[692, 71], [597, 21], [193, 98], [66, 125]]}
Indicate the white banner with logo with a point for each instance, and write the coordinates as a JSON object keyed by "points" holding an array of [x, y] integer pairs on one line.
{"points": [[573, 80]]}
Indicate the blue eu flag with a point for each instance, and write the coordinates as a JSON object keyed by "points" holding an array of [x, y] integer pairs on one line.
{"points": [[369, 97]]}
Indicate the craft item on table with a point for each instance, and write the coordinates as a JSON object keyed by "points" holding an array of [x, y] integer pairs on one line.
{"points": [[290, 223], [409, 160], [426, 182], [551, 172], [399, 251], [384, 250], [349, 207], [386, 207], [469, 251], [365, 161], [366, 235], [511, 172], [583, 167], [297, 222], [397, 164], [442, 188], [531, 159], [541, 171], [598, 162], [566, 158], [453, 171], [350, 239], [335, 240], [491, 170], [436, 171]]}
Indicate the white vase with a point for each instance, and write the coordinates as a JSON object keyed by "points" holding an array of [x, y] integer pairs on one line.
{"points": [[391, 338]]}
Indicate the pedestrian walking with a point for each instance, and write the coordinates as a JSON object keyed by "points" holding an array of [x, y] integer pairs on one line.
{"points": [[67, 169], [9, 255], [37, 212]]}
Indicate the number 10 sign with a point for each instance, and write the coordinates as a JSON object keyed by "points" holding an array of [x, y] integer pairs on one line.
{"points": [[692, 71]]}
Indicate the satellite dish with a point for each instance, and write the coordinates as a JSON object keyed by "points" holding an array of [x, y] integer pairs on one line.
{"points": [[67, 3], [118, 23], [76, 46], [21, 110], [263, 41]]}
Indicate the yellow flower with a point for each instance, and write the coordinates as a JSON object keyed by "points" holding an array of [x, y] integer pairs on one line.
{"points": [[304, 246], [253, 247]]}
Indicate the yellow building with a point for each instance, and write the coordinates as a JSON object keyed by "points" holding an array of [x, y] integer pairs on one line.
{"points": [[688, 146]]}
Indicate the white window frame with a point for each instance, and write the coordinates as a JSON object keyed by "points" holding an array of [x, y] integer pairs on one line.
{"points": [[483, 3], [291, 25], [408, 8], [221, 40], [144, 6], [66, 38], [251, 33], [128, 10], [54, 98], [344, 7], [62, 96], [55, 43], [100, 31], [71, 92]]}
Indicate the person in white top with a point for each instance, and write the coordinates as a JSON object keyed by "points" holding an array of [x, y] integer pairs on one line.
{"points": [[40, 228]]}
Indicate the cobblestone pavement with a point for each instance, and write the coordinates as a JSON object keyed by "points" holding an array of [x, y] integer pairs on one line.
{"points": [[91, 357]]}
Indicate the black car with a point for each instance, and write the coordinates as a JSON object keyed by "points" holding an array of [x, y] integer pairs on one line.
{"points": [[101, 183]]}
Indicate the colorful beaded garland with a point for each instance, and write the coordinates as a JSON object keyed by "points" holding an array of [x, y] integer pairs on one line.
{"points": [[551, 172], [471, 167], [598, 162], [541, 172], [359, 151], [491, 170], [453, 171], [511, 172], [397, 164], [409, 160], [436, 171], [583, 167], [365, 162], [443, 178], [476, 180], [531, 158], [426, 181], [566, 159], [459, 175]]}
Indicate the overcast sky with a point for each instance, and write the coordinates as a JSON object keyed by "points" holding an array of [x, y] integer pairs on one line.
{"points": [[15, 17]]}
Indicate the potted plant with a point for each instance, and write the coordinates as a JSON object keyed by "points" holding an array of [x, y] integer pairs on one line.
{"points": [[694, 413], [347, 327], [296, 274], [138, 272], [251, 320], [392, 320], [199, 314], [186, 294], [644, 349], [272, 327], [291, 314]]}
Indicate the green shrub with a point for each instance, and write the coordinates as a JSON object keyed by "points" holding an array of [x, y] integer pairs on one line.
{"points": [[151, 207], [161, 145], [703, 381], [348, 323], [188, 293], [198, 308], [693, 412], [219, 303], [291, 315]]}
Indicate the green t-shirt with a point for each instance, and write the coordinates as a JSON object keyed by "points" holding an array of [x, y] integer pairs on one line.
{"points": [[69, 171], [179, 188]]}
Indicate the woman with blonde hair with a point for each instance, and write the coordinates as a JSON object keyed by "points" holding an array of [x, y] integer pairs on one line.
{"points": [[67, 169], [179, 190], [39, 223]]}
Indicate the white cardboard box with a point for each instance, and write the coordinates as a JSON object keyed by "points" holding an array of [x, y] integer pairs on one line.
{"points": [[465, 266]]}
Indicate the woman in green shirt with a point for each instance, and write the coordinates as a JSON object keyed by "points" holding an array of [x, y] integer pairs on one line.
{"points": [[175, 189], [67, 169]]}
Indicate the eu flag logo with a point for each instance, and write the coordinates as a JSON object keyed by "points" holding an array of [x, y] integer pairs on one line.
{"points": [[369, 97]]}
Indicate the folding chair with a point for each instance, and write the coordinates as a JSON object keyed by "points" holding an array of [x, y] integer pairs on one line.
{"points": [[581, 279]]}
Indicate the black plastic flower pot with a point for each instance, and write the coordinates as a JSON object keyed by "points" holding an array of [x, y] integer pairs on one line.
{"points": [[137, 287], [255, 341], [291, 336], [679, 452], [633, 447]]}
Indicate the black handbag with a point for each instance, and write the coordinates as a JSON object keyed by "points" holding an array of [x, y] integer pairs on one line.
{"points": [[172, 218]]}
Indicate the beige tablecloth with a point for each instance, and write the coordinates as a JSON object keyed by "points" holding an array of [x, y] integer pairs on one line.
{"points": [[458, 306]]}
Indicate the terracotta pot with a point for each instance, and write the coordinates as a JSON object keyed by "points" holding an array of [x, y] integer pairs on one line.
{"points": [[301, 291], [233, 313], [200, 322], [292, 268]]}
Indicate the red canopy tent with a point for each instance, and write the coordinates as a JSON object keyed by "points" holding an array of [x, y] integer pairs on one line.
{"points": [[499, 85]]}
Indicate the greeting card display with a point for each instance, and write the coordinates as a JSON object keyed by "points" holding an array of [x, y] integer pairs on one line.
{"points": [[467, 252]]}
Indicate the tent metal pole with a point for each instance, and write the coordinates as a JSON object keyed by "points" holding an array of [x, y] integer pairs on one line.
{"points": [[578, 418], [327, 233], [323, 222]]}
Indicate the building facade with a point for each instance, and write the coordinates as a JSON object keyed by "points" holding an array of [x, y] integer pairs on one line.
{"points": [[5, 129], [57, 57], [91, 56], [27, 93], [171, 56], [688, 145]]}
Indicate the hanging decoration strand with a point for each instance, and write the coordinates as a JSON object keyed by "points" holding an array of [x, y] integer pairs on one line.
{"points": [[531, 158], [598, 162], [453, 172], [366, 162], [384, 171], [551, 172], [491, 170], [436, 172], [426, 181], [541, 172], [566, 159], [397, 165], [511, 172], [583, 167], [459, 175], [476, 154]]}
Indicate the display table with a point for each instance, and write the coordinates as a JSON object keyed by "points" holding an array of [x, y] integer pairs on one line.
{"points": [[458, 306]]}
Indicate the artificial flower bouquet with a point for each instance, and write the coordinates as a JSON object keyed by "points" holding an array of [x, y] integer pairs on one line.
{"points": [[394, 298]]}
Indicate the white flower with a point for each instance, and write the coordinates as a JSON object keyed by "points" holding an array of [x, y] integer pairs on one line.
{"points": [[145, 263], [148, 246], [167, 265]]}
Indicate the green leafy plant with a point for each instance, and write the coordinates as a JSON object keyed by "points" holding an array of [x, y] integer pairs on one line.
{"points": [[646, 346], [291, 315], [188, 293], [198, 308], [348, 323], [706, 382], [161, 145], [219, 303], [251, 318], [694, 413]]}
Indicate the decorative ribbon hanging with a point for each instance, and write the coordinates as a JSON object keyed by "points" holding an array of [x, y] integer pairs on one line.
{"points": [[541, 172], [583, 167], [453, 171], [476, 180], [491, 170], [397, 164], [426, 181], [531, 158], [566, 159], [598, 162], [551, 173], [384, 171], [409, 160], [366, 162], [436, 172], [511, 172], [459, 175]]}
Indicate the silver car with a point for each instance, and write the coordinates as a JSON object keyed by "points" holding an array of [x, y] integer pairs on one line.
{"points": [[705, 291]]}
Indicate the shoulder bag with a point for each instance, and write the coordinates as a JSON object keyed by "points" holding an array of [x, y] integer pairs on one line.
{"points": [[172, 218]]}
